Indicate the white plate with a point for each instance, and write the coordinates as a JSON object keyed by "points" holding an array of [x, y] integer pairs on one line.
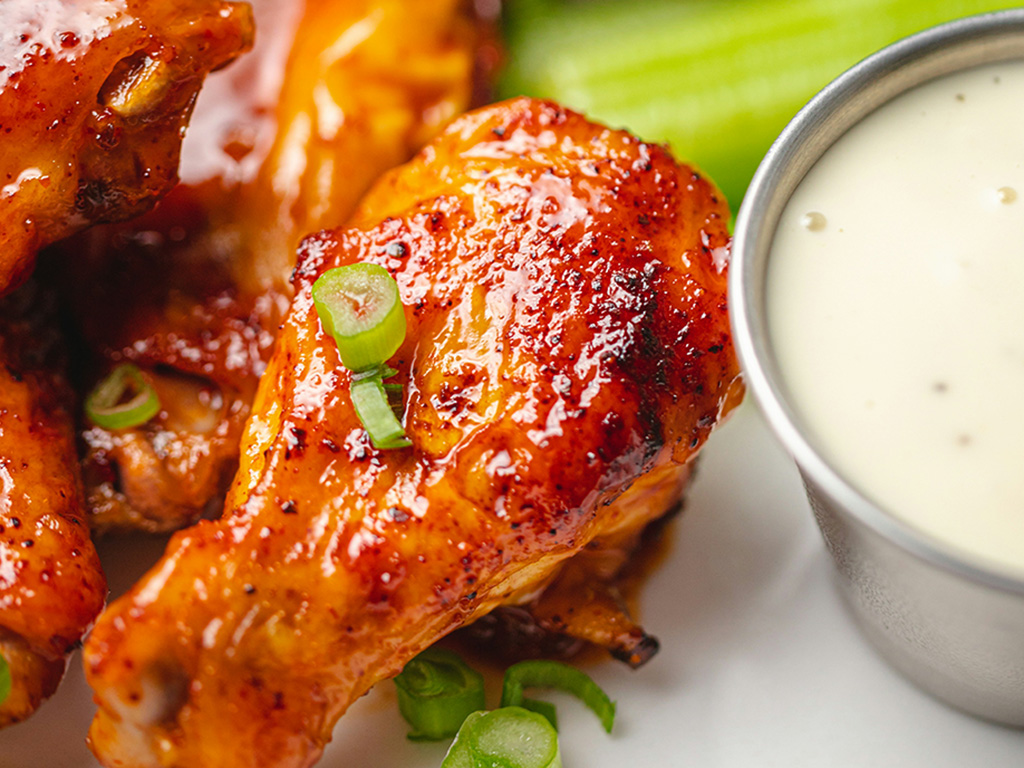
{"points": [[760, 665]]}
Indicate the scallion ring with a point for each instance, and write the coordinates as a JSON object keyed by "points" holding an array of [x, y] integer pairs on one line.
{"points": [[122, 400], [374, 410], [510, 737], [559, 676], [359, 306], [436, 692], [544, 708], [5, 680]]}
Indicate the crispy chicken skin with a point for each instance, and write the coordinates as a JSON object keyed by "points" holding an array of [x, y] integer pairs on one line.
{"points": [[284, 143], [94, 99], [587, 603], [51, 585], [564, 287]]}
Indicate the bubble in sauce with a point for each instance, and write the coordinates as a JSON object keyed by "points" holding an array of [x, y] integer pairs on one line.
{"points": [[813, 221]]}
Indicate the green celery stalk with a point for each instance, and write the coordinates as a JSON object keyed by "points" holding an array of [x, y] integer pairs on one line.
{"points": [[716, 79]]}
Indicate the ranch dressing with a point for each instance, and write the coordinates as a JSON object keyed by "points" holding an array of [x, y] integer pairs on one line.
{"points": [[896, 309]]}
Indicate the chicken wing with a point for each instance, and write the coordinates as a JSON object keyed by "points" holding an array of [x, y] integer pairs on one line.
{"points": [[94, 99], [51, 585], [564, 287], [334, 93]]}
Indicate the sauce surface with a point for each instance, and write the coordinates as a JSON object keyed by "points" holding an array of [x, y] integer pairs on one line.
{"points": [[896, 309]]}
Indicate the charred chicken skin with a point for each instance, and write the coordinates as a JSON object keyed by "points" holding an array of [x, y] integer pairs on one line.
{"points": [[564, 287], [51, 585], [284, 143], [94, 99]]}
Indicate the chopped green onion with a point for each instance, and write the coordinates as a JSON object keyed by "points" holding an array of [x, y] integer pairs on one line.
{"points": [[545, 709], [107, 407], [374, 411], [511, 737], [359, 306], [436, 692], [562, 677], [5, 680]]}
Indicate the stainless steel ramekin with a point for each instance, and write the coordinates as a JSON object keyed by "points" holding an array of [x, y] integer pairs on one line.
{"points": [[954, 627]]}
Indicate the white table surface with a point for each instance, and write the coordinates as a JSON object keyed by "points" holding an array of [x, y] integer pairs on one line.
{"points": [[760, 664]]}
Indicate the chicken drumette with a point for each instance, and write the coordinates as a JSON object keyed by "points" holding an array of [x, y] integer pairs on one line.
{"points": [[284, 143], [564, 286], [51, 585], [94, 99]]}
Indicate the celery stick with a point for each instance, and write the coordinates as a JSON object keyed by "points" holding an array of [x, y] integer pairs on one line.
{"points": [[716, 79]]}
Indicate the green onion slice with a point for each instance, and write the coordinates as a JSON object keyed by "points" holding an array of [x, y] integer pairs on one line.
{"points": [[110, 406], [436, 692], [5, 680], [511, 737], [562, 677], [374, 411], [359, 306], [544, 708]]}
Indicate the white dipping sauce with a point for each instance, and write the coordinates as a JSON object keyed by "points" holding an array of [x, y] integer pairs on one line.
{"points": [[896, 309]]}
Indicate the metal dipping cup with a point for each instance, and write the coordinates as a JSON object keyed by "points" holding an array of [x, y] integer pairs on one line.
{"points": [[952, 625]]}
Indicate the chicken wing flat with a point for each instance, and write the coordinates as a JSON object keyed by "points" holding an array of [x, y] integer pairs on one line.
{"points": [[51, 585], [284, 143], [564, 287], [94, 99]]}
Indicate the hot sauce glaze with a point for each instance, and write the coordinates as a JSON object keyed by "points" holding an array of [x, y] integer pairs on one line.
{"points": [[567, 333], [283, 143], [94, 99], [51, 585]]}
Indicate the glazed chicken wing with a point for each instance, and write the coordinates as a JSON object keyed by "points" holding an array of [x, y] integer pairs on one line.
{"points": [[94, 99], [284, 143], [564, 287], [51, 585]]}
